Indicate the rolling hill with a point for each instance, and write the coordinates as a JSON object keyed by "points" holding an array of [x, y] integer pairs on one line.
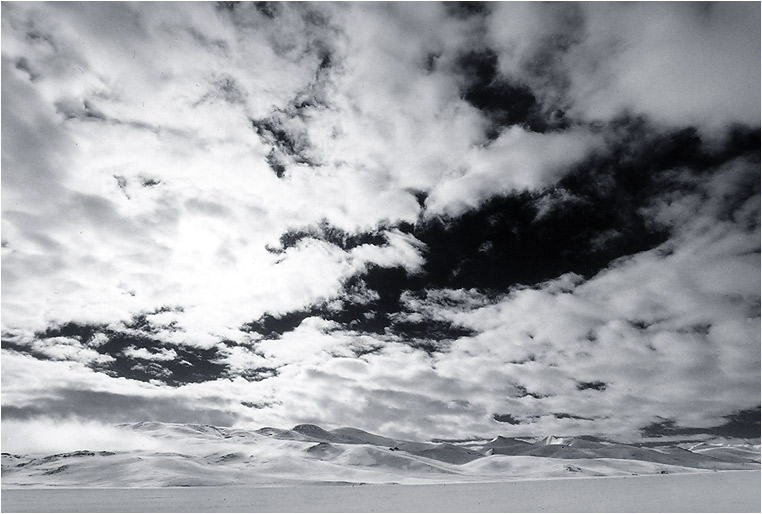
{"points": [[196, 455]]}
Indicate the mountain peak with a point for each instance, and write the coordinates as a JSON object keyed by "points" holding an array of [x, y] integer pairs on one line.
{"points": [[553, 440], [313, 431]]}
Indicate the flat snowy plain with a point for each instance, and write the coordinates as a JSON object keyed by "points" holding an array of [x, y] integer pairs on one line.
{"points": [[724, 491]]}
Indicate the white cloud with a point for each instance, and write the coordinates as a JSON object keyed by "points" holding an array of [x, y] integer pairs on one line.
{"points": [[665, 333], [240, 359], [26, 379], [133, 179], [518, 160], [679, 64], [87, 241], [67, 349], [162, 354], [402, 250]]}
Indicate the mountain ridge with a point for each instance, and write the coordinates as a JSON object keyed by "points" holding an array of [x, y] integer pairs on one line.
{"points": [[194, 455]]}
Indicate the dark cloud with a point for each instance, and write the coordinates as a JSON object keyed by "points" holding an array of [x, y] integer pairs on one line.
{"points": [[284, 129], [699, 329], [81, 332], [597, 165], [595, 385], [522, 391], [86, 111], [463, 10], [258, 374], [639, 324], [267, 9], [508, 241], [596, 214], [325, 231], [376, 316], [529, 237], [37, 36], [566, 415], [23, 64], [9, 344], [121, 181], [506, 418], [149, 182], [744, 424], [276, 163], [218, 45], [294, 31], [224, 89], [290, 143], [257, 405], [432, 59], [65, 403], [429, 346], [137, 354], [360, 350]]}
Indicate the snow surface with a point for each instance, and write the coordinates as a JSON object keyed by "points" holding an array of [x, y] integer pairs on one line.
{"points": [[730, 491]]}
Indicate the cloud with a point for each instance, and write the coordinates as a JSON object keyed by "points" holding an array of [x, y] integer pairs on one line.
{"points": [[403, 250], [641, 337], [146, 246], [66, 390], [682, 64], [418, 219], [139, 143], [242, 361], [145, 354], [518, 160], [67, 349]]}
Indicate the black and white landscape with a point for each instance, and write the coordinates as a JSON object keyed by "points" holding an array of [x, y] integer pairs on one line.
{"points": [[308, 468], [515, 240], [180, 455]]}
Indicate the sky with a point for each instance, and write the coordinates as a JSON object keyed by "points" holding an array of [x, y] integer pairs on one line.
{"points": [[425, 220]]}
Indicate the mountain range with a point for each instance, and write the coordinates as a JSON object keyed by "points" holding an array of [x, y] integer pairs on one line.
{"points": [[167, 454]]}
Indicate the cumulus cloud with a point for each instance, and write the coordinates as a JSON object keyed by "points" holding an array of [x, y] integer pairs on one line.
{"points": [[163, 354], [680, 64], [651, 328], [67, 349], [402, 217], [518, 160], [36, 389]]}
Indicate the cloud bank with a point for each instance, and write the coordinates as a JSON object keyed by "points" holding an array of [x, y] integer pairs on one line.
{"points": [[428, 220]]}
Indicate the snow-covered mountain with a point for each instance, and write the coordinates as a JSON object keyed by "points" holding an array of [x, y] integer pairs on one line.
{"points": [[196, 455]]}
